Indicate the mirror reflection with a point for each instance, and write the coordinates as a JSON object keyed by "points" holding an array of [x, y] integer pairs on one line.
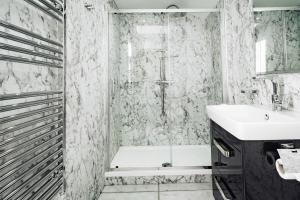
{"points": [[277, 35]]}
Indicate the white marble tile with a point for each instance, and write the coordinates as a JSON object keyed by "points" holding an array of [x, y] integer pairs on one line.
{"points": [[185, 187], [162, 179], [86, 99], [187, 195], [130, 188], [130, 196], [194, 69]]}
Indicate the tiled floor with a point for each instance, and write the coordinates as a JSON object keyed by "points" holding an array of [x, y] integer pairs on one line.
{"points": [[191, 191]]}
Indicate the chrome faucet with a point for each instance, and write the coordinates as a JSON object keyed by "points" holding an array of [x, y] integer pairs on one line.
{"points": [[276, 98]]}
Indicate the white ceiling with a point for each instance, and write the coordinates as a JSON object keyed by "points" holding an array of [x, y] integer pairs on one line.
{"points": [[276, 3], [161, 4]]}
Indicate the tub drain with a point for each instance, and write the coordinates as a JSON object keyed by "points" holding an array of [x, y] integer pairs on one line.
{"points": [[166, 165]]}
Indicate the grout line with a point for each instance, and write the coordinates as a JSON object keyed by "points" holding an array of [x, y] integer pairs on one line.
{"points": [[160, 191]]}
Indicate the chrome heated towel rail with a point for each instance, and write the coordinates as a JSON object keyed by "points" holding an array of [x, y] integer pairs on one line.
{"points": [[31, 145], [32, 123]]}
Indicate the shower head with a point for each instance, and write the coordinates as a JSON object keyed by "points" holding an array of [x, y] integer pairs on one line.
{"points": [[176, 14]]}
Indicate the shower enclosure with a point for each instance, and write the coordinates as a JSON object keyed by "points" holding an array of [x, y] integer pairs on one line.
{"points": [[164, 69]]}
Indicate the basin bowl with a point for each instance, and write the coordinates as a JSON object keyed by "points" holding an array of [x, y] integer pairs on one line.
{"points": [[247, 122]]}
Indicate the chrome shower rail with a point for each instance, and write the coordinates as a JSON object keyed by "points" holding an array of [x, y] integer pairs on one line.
{"points": [[51, 190], [52, 7], [28, 52], [15, 138], [29, 104], [29, 42], [28, 114], [29, 142], [57, 163], [28, 33], [31, 151], [28, 94], [45, 9], [28, 172], [46, 180], [29, 123], [14, 171], [27, 61]]}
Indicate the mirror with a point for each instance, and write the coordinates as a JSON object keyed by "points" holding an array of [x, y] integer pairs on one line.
{"points": [[277, 39]]}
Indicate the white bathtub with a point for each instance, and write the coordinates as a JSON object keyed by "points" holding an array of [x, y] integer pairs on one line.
{"points": [[148, 160]]}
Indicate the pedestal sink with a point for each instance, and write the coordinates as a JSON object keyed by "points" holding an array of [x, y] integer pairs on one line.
{"points": [[247, 122]]}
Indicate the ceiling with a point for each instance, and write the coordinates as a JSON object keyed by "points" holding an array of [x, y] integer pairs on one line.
{"points": [[276, 3], [196, 4]]}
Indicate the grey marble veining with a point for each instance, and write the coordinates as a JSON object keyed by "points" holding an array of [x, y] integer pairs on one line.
{"points": [[167, 179], [193, 73], [86, 99], [237, 49], [18, 77]]}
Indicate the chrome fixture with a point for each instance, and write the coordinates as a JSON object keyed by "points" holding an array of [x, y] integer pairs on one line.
{"points": [[89, 6], [48, 8], [178, 14], [54, 57], [250, 93], [32, 145], [267, 117], [276, 97]]}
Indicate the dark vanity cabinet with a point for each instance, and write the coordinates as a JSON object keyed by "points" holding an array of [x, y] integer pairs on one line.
{"points": [[245, 170]]}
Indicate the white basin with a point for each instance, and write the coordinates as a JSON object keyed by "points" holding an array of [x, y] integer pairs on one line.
{"points": [[251, 123]]}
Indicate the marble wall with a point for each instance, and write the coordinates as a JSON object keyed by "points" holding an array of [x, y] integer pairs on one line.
{"points": [[163, 100], [86, 98], [238, 60], [17, 77]]}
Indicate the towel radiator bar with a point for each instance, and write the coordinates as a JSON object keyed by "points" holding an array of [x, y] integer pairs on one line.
{"points": [[31, 149], [29, 52], [46, 9], [12, 48], [29, 42], [28, 33]]}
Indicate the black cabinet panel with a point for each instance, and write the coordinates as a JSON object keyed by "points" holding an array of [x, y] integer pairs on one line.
{"points": [[262, 180], [249, 173]]}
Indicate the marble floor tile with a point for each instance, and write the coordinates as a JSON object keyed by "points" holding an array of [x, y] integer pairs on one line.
{"points": [[130, 188], [187, 195], [130, 196], [185, 187]]}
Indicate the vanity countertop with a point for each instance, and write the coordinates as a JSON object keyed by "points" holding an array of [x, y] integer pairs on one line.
{"points": [[247, 122]]}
